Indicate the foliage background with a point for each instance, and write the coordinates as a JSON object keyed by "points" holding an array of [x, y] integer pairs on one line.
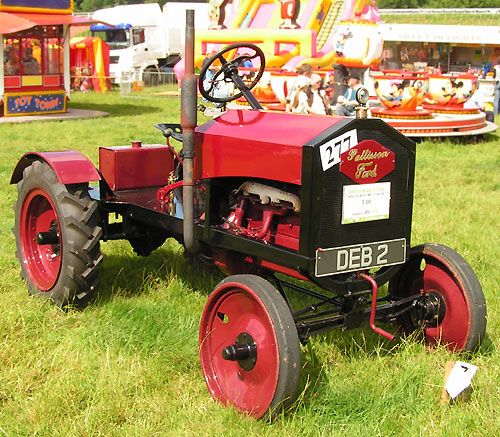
{"points": [[92, 5]]}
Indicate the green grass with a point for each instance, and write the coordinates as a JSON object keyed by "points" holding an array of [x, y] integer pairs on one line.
{"points": [[128, 364], [447, 18]]}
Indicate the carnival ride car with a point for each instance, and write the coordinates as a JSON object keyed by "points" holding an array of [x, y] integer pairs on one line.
{"points": [[324, 201]]}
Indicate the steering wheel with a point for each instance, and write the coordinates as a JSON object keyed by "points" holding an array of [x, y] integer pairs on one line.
{"points": [[228, 72]]}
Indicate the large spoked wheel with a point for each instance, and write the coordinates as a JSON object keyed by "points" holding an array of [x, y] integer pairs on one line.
{"points": [[451, 309], [227, 71], [249, 347], [57, 237]]}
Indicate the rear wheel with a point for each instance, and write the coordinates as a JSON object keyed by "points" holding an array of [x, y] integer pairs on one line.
{"points": [[249, 347], [452, 309], [57, 237]]}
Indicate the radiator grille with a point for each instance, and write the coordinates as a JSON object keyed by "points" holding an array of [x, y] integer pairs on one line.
{"points": [[333, 234]]}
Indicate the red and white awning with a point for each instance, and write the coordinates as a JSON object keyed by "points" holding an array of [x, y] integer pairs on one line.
{"points": [[11, 22]]}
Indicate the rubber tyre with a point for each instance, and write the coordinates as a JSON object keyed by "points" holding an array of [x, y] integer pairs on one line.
{"points": [[250, 304], [71, 276], [437, 269]]}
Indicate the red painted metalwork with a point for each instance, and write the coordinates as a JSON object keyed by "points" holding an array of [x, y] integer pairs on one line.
{"points": [[455, 327], [52, 80], [374, 307], [277, 268], [12, 81], [449, 109], [69, 166], [368, 162], [163, 196], [401, 113], [234, 308], [255, 144], [42, 262], [129, 167]]}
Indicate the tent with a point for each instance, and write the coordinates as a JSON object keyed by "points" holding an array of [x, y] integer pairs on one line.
{"points": [[89, 61]]}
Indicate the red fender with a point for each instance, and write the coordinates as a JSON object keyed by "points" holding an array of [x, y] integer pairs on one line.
{"points": [[69, 166]]}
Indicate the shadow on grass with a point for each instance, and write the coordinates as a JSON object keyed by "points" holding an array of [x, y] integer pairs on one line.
{"points": [[128, 274], [117, 109]]}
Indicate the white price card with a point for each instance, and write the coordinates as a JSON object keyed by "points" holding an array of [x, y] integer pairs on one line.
{"points": [[366, 202], [460, 378]]}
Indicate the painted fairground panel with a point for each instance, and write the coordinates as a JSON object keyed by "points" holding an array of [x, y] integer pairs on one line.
{"points": [[45, 6], [33, 63]]}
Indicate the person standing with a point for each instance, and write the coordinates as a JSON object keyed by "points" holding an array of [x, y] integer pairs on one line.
{"points": [[496, 96], [347, 104], [304, 75]]}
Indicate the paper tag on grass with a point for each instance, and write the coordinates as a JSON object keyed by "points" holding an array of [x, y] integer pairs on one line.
{"points": [[460, 378]]}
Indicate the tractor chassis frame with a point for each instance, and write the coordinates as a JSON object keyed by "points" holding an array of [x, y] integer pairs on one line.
{"points": [[346, 312]]}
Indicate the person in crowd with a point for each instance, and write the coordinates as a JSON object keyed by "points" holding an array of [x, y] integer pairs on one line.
{"points": [[496, 96], [304, 75], [476, 102], [30, 64], [347, 104], [209, 75], [311, 99]]}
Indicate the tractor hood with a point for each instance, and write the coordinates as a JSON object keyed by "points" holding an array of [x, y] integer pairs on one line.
{"points": [[258, 144]]}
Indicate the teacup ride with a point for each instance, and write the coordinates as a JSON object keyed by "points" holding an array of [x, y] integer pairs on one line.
{"points": [[271, 90], [401, 96], [449, 93], [418, 105]]}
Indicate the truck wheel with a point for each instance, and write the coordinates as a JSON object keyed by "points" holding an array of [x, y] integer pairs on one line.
{"points": [[57, 237], [249, 347], [452, 310], [151, 76]]}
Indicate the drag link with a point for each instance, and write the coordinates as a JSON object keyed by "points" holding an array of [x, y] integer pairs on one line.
{"points": [[374, 307]]}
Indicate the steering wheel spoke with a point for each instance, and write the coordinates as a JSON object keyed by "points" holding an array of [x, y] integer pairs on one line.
{"points": [[230, 70]]}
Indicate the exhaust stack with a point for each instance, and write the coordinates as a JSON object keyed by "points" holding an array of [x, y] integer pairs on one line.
{"points": [[188, 123]]}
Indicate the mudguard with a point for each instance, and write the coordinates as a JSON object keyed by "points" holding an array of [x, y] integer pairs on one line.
{"points": [[70, 167]]}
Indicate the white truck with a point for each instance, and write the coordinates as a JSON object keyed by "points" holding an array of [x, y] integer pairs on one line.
{"points": [[144, 39]]}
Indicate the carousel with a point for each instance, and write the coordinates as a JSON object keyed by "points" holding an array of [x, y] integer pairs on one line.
{"points": [[421, 104], [35, 78]]}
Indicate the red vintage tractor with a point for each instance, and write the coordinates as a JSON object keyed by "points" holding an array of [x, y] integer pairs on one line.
{"points": [[325, 201]]}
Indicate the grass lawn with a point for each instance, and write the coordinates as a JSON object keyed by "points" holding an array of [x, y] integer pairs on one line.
{"points": [[128, 364], [446, 18]]}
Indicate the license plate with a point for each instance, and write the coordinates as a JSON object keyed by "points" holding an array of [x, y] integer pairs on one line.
{"points": [[364, 256]]}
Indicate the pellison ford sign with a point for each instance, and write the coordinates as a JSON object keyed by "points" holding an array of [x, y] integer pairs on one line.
{"points": [[34, 103], [367, 162]]}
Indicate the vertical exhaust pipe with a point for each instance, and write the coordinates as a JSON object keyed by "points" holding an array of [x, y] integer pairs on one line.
{"points": [[188, 123]]}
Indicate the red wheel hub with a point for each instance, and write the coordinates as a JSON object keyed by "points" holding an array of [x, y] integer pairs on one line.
{"points": [[42, 262], [232, 310], [452, 330]]}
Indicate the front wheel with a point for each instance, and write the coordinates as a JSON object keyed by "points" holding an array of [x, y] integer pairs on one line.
{"points": [[57, 237], [451, 309], [249, 347]]}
